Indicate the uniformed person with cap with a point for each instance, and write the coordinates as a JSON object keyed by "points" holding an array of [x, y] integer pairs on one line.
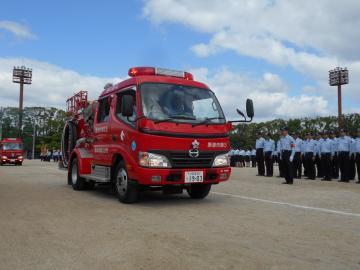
{"points": [[318, 142], [357, 157], [325, 155], [259, 145], [344, 154], [310, 156], [287, 144], [335, 156], [269, 147], [297, 157], [280, 162], [352, 170]]}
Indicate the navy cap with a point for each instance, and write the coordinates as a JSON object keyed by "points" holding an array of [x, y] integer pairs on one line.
{"points": [[285, 128]]}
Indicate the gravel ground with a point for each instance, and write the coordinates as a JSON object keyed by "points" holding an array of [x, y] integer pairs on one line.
{"points": [[248, 222]]}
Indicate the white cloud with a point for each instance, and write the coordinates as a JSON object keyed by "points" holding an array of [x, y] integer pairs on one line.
{"points": [[309, 36], [269, 93], [17, 29], [51, 86]]}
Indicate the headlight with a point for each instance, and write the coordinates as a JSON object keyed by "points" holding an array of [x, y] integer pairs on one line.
{"points": [[4, 157], [221, 161], [153, 160], [20, 157]]}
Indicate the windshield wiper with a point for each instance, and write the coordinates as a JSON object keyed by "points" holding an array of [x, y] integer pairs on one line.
{"points": [[182, 117], [207, 120]]}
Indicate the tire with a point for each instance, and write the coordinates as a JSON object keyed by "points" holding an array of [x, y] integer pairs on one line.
{"points": [[126, 191], [68, 141], [77, 182], [199, 191]]}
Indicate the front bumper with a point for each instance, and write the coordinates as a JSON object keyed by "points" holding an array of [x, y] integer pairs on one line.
{"points": [[162, 177], [11, 160]]}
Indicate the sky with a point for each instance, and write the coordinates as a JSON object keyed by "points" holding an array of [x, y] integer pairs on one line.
{"points": [[276, 52]]}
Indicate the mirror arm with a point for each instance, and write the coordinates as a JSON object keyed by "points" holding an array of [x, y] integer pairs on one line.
{"points": [[242, 121]]}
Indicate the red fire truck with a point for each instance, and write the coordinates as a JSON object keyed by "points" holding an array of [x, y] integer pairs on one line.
{"points": [[157, 130], [11, 151]]}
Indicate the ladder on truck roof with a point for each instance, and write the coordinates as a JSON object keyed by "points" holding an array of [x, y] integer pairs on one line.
{"points": [[77, 102]]}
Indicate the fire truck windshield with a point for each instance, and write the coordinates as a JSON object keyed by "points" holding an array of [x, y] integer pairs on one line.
{"points": [[12, 146], [170, 102]]}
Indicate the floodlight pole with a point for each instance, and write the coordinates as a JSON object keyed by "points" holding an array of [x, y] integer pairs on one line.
{"points": [[340, 121], [21, 75], [21, 102]]}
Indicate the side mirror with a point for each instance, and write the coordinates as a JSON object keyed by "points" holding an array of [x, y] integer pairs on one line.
{"points": [[127, 105], [249, 108]]}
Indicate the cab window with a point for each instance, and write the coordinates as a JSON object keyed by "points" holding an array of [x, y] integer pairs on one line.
{"points": [[104, 109], [127, 120]]}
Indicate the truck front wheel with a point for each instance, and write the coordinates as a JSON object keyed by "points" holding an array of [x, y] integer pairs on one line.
{"points": [[198, 191], [126, 190], [77, 182]]}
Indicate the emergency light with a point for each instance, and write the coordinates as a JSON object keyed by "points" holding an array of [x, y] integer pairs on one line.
{"points": [[141, 71]]}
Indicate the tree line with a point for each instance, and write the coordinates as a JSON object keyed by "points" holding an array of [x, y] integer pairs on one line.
{"points": [[45, 123], [244, 135]]}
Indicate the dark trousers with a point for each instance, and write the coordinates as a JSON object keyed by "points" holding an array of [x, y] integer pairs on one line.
{"points": [[335, 166], [326, 165], [318, 166], [281, 166], [288, 166], [297, 165], [269, 163], [352, 170], [357, 160], [260, 161], [232, 161], [303, 161], [310, 165], [253, 161], [344, 166]]}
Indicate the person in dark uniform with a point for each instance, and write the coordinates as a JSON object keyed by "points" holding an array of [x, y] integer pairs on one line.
{"points": [[253, 158], [357, 158], [325, 155], [287, 144], [352, 169], [309, 156], [344, 153], [280, 162], [297, 157], [269, 147], [318, 142], [260, 154], [335, 156]]}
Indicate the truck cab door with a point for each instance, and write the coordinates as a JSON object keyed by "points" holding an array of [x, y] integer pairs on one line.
{"points": [[102, 133], [123, 128]]}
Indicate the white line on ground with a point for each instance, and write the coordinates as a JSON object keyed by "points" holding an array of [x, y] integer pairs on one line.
{"points": [[325, 210]]}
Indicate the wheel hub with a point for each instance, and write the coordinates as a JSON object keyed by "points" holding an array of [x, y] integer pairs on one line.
{"points": [[121, 182]]}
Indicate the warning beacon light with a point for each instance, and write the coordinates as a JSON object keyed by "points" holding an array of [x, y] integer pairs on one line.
{"points": [[151, 71]]}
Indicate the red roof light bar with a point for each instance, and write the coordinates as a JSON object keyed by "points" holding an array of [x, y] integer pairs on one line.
{"points": [[141, 71]]}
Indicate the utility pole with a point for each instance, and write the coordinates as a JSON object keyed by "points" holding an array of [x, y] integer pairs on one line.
{"points": [[338, 77], [21, 75], [1, 121]]}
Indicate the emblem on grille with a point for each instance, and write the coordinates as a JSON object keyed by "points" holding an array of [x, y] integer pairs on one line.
{"points": [[194, 152]]}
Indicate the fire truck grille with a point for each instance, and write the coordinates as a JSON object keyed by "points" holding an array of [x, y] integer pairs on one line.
{"points": [[183, 160]]}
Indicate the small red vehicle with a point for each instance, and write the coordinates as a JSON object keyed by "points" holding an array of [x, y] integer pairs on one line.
{"points": [[157, 130], [11, 151]]}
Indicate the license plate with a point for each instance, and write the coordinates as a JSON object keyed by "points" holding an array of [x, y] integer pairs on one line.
{"points": [[194, 177]]}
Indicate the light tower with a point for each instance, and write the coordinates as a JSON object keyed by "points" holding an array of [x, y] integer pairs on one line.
{"points": [[338, 77], [21, 75]]}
